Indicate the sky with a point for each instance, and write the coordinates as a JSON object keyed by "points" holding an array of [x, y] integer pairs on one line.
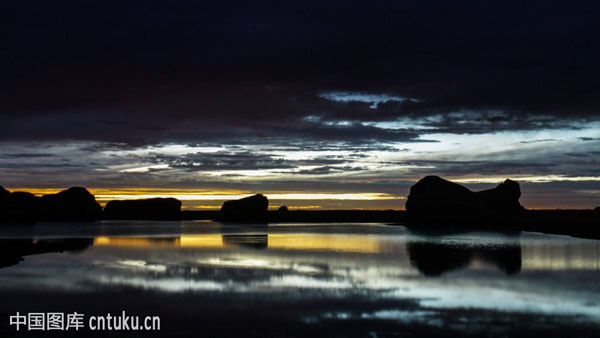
{"points": [[317, 104]]}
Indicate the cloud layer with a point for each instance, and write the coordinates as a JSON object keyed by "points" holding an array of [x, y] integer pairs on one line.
{"points": [[333, 96]]}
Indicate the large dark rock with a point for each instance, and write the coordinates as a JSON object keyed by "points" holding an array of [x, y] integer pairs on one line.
{"points": [[150, 209], [504, 197], [434, 200], [73, 204], [17, 206], [249, 209], [4, 194]]}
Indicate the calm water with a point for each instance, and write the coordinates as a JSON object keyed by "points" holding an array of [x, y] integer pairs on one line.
{"points": [[304, 279]]}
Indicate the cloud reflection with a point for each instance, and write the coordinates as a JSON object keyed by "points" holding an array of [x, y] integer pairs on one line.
{"points": [[375, 272]]}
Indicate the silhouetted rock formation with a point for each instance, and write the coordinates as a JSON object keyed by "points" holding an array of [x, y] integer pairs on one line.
{"points": [[435, 259], [434, 197], [4, 194], [73, 204], [249, 209], [17, 206], [436, 201], [504, 197], [150, 209], [283, 208]]}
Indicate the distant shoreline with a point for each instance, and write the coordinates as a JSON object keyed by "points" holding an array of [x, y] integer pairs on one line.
{"points": [[582, 223], [436, 213]]}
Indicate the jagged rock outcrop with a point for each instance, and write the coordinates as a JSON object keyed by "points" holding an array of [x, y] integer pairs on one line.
{"points": [[149, 209], [248, 209], [504, 197], [434, 200], [73, 204]]}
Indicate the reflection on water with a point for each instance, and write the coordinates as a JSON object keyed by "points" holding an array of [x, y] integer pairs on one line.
{"points": [[12, 251], [562, 256], [307, 242], [355, 272], [249, 241], [433, 259]]}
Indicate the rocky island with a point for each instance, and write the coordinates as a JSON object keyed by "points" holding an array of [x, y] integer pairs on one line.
{"points": [[434, 200], [248, 209]]}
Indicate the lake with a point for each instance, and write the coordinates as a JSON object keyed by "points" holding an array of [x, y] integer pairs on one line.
{"points": [[366, 280]]}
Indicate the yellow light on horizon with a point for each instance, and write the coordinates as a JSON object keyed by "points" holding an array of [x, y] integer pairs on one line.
{"points": [[217, 197]]}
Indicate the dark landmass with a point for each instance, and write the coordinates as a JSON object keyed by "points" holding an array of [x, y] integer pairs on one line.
{"points": [[312, 216], [144, 209], [357, 216], [247, 210], [583, 223], [17, 206], [73, 204], [440, 204], [434, 200], [433, 203], [576, 223], [191, 215], [78, 204]]}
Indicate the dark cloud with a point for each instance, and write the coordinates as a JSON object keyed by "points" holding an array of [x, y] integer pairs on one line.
{"points": [[257, 80], [325, 170], [246, 160], [224, 161], [25, 155], [145, 73]]}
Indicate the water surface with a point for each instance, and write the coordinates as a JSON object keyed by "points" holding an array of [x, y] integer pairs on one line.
{"points": [[305, 279]]}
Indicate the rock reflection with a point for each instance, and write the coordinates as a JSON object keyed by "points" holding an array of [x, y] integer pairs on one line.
{"points": [[247, 241], [435, 259], [12, 251]]}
